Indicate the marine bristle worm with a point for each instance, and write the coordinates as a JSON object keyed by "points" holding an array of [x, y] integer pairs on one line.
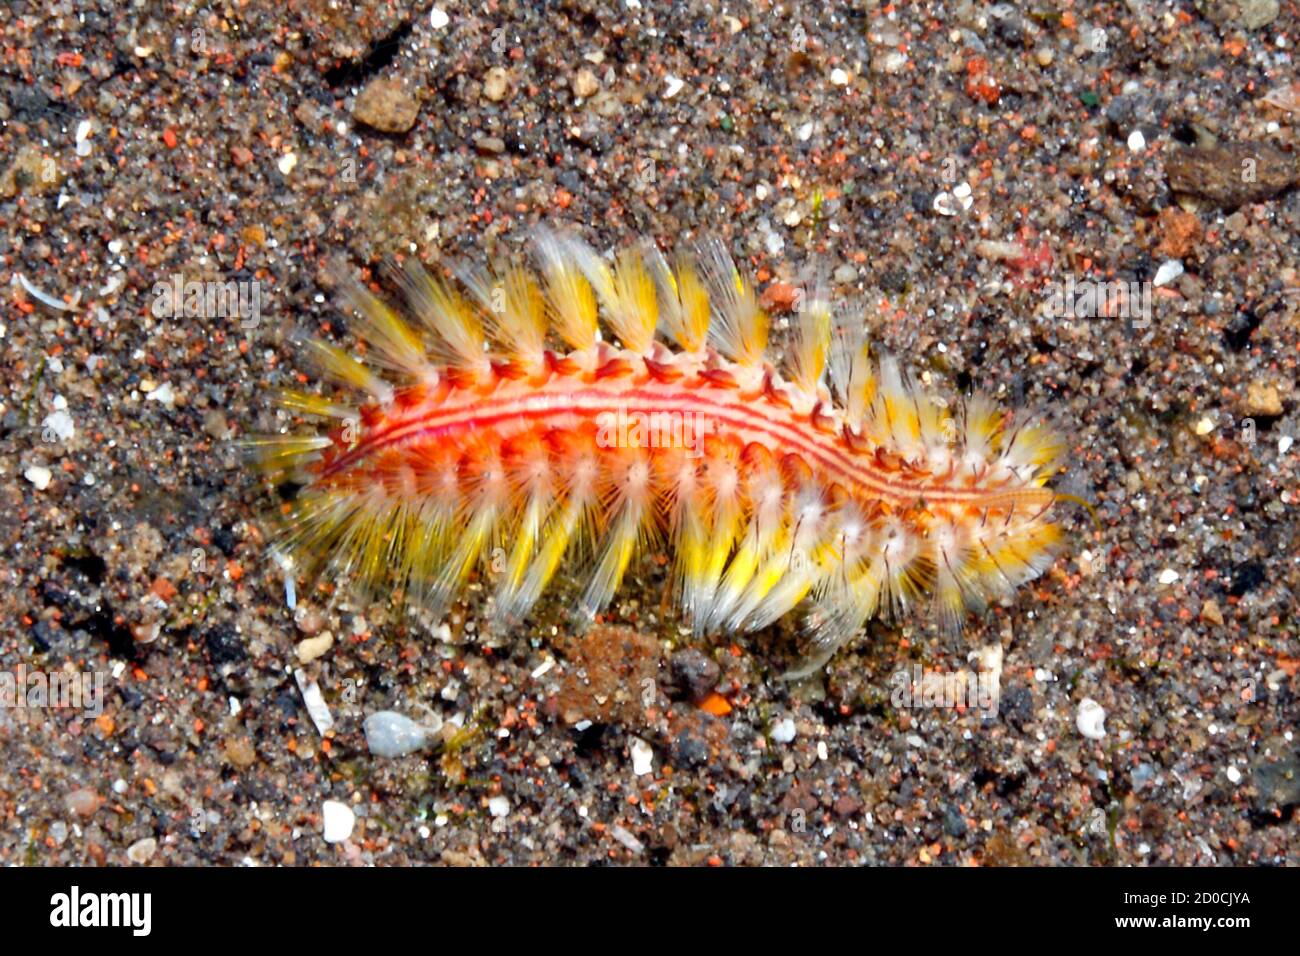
{"points": [[498, 428]]}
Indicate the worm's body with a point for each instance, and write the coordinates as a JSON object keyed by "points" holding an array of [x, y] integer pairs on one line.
{"points": [[769, 489]]}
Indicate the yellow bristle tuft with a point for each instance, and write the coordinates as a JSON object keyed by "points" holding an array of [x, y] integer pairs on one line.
{"points": [[739, 325], [938, 429], [982, 422], [627, 293], [683, 300], [282, 454], [341, 367], [812, 336], [395, 344], [569, 296], [852, 372], [957, 587], [1012, 556], [514, 310], [468, 546], [563, 528], [459, 336], [309, 403], [621, 540], [1032, 450]]}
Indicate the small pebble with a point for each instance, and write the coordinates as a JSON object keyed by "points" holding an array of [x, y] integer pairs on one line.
{"points": [[625, 838], [894, 62], [314, 647], [164, 394], [240, 752], [390, 734], [142, 851], [999, 251], [39, 476], [499, 806], [1136, 141], [1262, 398], [496, 84], [585, 84], [387, 105], [1216, 172], [845, 273], [83, 803], [490, 145], [1254, 14], [337, 821], [783, 731], [309, 620], [216, 425]]}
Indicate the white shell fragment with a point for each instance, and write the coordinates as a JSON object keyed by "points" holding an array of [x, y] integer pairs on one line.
{"points": [[39, 476], [783, 731], [642, 757], [1169, 270], [390, 734], [338, 821], [314, 701], [951, 203], [84, 129], [626, 838], [59, 425], [1091, 719]]}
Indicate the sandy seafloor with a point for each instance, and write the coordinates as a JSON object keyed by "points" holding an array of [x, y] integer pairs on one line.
{"points": [[142, 141]]}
